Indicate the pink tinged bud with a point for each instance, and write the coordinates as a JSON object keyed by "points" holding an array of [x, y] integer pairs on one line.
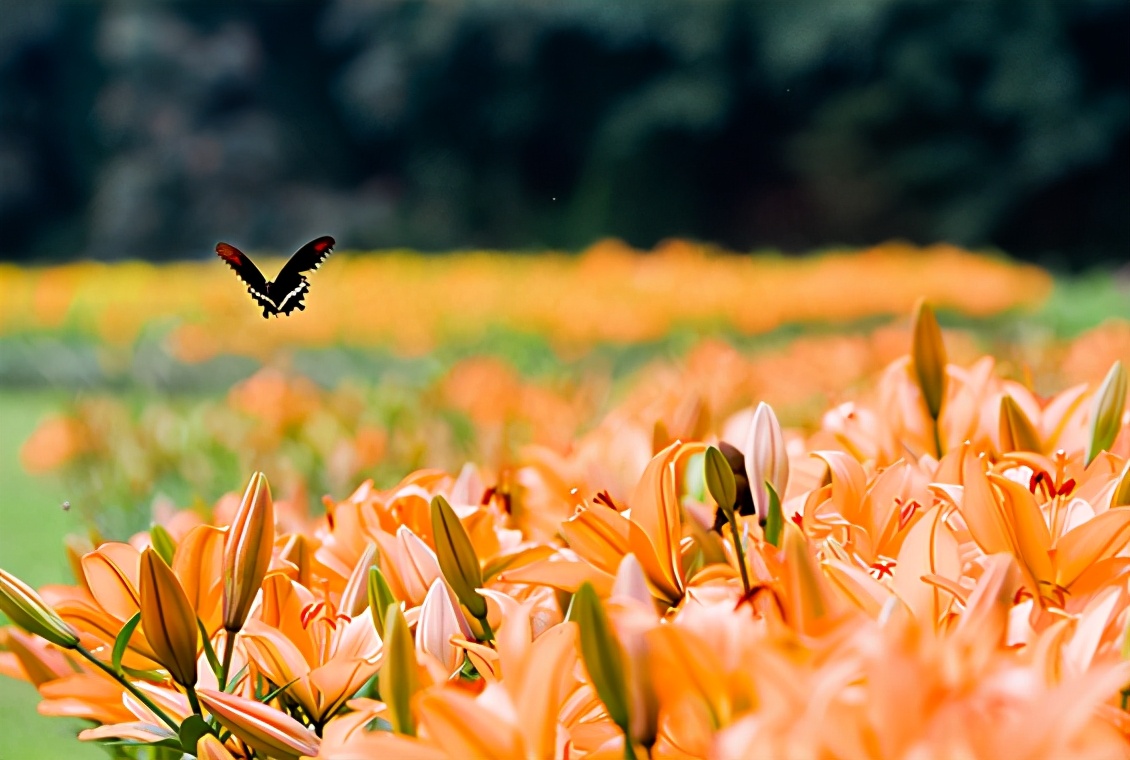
{"points": [[440, 619], [247, 551], [168, 619], [353, 598], [27, 610], [631, 583], [416, 564], [265, 729], [766, 458]]}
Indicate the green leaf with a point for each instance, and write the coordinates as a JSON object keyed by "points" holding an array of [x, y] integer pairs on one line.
{"points": [[163, 544], [122, 641], [775, 520], [233, 680], [275, 692], [602, 654], [380, 597], [1106, 411], [209, 650], [457, 558], [191, 729], [720, 480]]}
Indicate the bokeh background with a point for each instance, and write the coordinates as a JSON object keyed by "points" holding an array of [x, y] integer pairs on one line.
{"points": [[667, 211], [150, 130]]}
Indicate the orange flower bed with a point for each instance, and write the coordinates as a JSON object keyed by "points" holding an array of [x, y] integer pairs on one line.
{"points": [[609, 293], [937, 568]]}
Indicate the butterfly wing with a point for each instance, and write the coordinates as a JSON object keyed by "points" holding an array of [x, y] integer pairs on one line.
{"points": [[291, 286], [307, 258], [250, 274]]}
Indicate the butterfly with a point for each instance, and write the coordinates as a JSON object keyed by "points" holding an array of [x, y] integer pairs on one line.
{"points": [[284, 294]]}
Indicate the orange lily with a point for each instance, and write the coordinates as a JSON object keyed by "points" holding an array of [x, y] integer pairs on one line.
{"points": [[324, 655]]}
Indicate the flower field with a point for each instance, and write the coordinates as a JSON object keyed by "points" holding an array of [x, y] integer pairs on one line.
{"points": [[697, 506]]}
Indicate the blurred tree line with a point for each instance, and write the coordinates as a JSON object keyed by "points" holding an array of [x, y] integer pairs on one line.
{"points": [[155, 129]]}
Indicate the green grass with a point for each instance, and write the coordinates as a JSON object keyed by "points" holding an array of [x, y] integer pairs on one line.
{"points": [[32, 526]]}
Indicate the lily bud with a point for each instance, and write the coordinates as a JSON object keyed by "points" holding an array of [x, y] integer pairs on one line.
{"points": [[380, 597], [457, 558], [1121, 495], [353, 596], [398, 678], [247, 551], [720, 480], [766, 458], [440, 620], [928, 353], [1106, 411], [26, 609], [603, 656], [1016, 430], [168, 618], [270, 732]]}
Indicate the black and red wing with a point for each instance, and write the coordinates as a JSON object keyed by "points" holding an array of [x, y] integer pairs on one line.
{"points": [[250, 274], [307, 258]]}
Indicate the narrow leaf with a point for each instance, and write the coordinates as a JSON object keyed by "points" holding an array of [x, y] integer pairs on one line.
{"points": [[209, 650], [122, 641]]}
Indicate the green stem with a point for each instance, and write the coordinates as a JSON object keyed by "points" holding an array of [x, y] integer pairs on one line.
{"points": [[937, 438], [225, 666], [629, 750], [487, 630], [737, 532], [193, 702], [141, 697]]}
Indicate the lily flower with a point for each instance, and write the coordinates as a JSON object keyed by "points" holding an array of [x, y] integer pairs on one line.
{"points": [[325, 656]]}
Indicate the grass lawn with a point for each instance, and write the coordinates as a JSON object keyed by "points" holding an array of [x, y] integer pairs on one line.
{"points": [[32, 526]]}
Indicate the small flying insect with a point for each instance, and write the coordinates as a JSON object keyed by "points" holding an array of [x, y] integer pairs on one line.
{"points": [[284, 294]]}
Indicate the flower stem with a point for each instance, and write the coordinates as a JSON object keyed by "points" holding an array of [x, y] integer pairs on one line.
{"points": [[487, 630], [225, 666], [140, 695], [736, 530], [193, 702]]}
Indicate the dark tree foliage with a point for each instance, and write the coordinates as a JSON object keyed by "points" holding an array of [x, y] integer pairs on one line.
{"points": [[155, 129]]}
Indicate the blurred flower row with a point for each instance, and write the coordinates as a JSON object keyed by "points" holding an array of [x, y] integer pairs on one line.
{"points": [[115, 454], [937, 569], [610, 293]]}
